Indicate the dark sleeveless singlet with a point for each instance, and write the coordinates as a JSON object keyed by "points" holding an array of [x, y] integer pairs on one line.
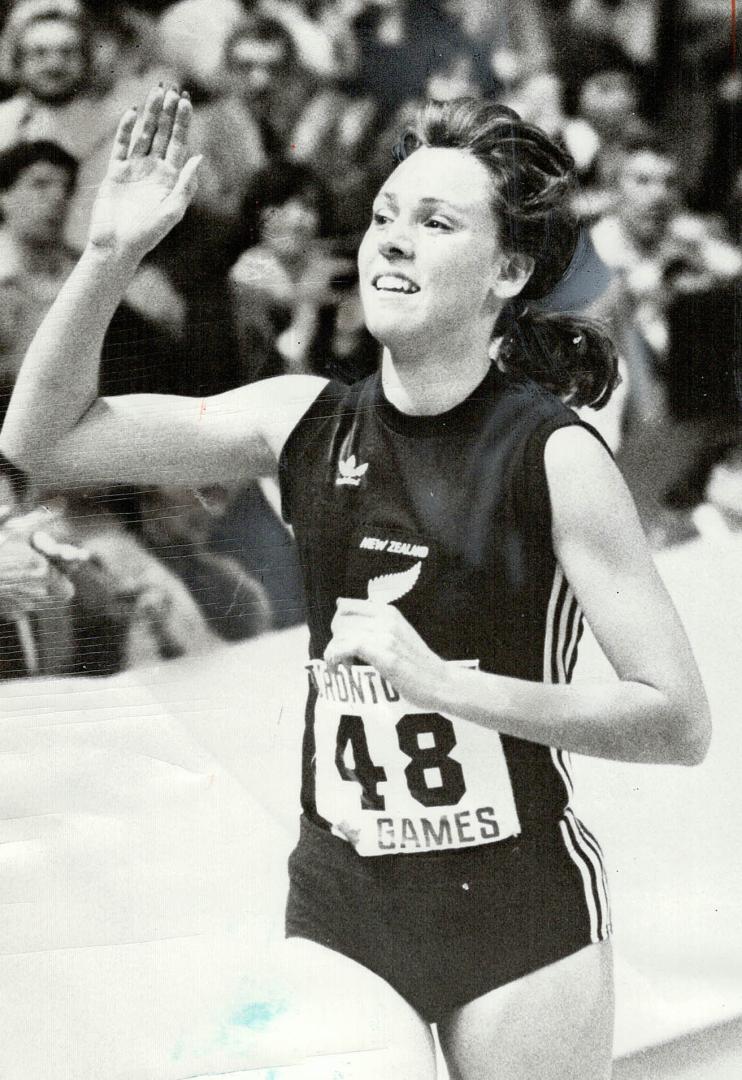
{"points": [[448, 860]]}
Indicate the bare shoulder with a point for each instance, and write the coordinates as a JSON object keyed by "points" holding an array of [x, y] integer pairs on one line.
{"points": [[587, 492], [280, 402]]}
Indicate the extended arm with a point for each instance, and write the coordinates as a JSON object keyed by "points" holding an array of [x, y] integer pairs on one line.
{"points": [[655, 712], [56, 426]]}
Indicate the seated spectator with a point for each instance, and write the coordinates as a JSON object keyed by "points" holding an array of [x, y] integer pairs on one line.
{"points": [[36, 183], [35, 633], [194, 36], [176, 525], [589, 36], [511, 40], [607, 121], [128, 609], [48, 46], [268, 80], [291, 272], [658, 250], [396, 43], [671, 307]]}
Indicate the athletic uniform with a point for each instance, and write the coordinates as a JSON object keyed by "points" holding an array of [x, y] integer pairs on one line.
{"points": [[434, 851]]}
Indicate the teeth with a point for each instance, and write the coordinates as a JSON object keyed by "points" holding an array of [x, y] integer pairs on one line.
{"points": [[392, 283]]}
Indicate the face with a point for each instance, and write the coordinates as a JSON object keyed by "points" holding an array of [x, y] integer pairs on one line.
{"points": [[607, 102], [427, 262], [257, 64], [52, 60], [648, 194], [290, 228], [35, 207]]}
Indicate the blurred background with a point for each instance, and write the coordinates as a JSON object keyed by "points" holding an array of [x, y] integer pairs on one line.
{"points": [[298, 104]]}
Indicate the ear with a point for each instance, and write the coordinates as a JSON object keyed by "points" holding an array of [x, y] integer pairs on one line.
{"points": [[511, 272]]}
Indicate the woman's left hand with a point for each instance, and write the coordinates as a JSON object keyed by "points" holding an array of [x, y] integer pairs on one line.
{"points": [[370, 632]]}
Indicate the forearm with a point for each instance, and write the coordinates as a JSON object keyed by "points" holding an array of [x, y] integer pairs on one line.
{"points": [[58, 380], [621, 720]]}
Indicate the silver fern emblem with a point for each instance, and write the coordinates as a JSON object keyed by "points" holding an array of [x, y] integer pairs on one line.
{"points": [[387, 588]]}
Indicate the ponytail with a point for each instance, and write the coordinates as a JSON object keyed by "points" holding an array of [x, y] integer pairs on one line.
{"points": [[571, 356]]}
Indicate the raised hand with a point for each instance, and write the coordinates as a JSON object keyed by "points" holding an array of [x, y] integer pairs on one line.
{"points": [[150, 179]]}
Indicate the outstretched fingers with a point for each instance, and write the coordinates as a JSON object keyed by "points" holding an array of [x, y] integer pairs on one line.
{"points": [[161, 130], [122, 139], [165, 122], [177, 150], [146, 127]]}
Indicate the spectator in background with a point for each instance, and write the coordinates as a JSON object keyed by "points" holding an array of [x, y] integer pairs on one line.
{"points": [[37, 187], [512, 39], [673, 307], [176, 526], [290, 272], [268, 80], [398, 42], [657, 247], [36, 184], [596, 35], [607, 121], [35, 629], [47, 48]]}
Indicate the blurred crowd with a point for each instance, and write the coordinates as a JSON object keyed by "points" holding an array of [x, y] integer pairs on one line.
{"points": [[297, 107]]}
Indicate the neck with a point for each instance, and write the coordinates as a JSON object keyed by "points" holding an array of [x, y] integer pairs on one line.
{"points": [[434, 383]]}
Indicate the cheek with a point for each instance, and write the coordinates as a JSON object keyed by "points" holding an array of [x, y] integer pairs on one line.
{"points": [[466, 273], [365, 250]]}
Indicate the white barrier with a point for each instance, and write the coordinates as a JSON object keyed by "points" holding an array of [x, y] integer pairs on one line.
{"points": [[145, 822]]}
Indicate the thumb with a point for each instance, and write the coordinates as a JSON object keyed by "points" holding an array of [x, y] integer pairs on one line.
{"points": [[187, 183]]}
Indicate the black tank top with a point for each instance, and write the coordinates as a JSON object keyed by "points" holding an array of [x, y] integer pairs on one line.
{"points": [[449, 516]]}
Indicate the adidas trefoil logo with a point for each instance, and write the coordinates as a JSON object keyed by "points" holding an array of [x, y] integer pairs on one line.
{"points": [[349, 473]]}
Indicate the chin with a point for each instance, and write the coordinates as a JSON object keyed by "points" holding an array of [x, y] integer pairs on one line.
{"points": [[392, 333]]}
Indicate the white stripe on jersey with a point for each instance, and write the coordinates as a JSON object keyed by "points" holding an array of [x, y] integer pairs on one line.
{"points": [[592, 845], [570, 646], [586, 880], [562, 632], [568, 603], [550, 620], [562, 763]]}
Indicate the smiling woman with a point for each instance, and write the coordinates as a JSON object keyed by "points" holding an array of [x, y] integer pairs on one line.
{"points": [[454, 519]]}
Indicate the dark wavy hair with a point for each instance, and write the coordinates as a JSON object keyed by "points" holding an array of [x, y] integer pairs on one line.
{"points": [[22, 155], [533, 178]]}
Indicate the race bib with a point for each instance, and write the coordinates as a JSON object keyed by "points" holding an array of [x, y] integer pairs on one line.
{"points": [[392, 778]]}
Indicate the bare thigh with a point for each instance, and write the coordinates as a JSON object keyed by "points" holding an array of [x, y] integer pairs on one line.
{"points": [[329, 1018], [554, 1024]]}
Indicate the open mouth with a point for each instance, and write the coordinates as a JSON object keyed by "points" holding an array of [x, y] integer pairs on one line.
{"points": [[394, 283]]}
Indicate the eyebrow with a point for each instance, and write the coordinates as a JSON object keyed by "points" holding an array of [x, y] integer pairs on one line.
{"points": [[428, 201]]}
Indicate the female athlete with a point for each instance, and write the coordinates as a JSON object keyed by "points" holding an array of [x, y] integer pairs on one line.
{"points": [[454, 520]]}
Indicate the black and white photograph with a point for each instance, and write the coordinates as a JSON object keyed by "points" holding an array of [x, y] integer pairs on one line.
{"points": [[370, 540]]}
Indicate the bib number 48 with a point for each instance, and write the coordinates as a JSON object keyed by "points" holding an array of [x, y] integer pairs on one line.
{"points": [[433, 778]]}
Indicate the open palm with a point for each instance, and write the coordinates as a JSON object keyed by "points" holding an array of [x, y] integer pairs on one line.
{"points": [[150, 179]]}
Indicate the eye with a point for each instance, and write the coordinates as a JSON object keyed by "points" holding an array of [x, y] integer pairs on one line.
{"points": [[380, 218], [438, 223]]}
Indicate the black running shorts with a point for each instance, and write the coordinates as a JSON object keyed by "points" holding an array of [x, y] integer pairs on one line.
{"points": [[444, 928]]}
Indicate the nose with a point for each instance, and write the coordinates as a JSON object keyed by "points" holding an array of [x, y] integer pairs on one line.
{"points": [[396, 242]]}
